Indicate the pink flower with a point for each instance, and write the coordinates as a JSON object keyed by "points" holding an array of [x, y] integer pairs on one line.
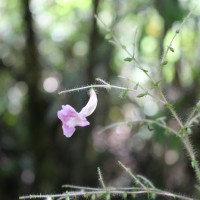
{"points": [[71, 118]]}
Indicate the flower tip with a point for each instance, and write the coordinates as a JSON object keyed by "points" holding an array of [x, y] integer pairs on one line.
{"points": [[68, 131], [91, 105]]}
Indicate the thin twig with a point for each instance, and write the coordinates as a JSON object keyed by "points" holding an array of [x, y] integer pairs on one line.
{"points": [[175, 35], [137, 181], [118, 42], [111, 192], [192, 115], [101, 178], [143, 89], [107, 86], [148, 121]]}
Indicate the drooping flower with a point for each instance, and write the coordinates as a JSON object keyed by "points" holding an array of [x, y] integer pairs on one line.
{"points": [[71, 118]]}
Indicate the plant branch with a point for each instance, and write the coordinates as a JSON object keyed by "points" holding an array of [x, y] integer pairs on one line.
{"points": [[105, 86], [148, 121], [114, 192], [173, 38]]}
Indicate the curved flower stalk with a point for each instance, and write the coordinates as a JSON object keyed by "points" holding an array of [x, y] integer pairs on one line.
{"points": [[71, 118]]}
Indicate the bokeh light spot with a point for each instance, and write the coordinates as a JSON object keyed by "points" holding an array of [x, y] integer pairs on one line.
{"points": [[150, 108], [171, 157], [27, 176], [80, 48], [50, 84]]}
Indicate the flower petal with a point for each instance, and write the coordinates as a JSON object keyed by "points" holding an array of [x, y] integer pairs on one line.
{"points": [[77, 120], [91, 105], [66, 112], [68, 131]]}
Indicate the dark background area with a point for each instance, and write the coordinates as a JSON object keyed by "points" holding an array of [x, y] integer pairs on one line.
{"points": [[50, 45]]}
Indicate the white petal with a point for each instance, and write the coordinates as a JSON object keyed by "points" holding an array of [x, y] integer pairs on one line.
{"points": [[91, 105]]}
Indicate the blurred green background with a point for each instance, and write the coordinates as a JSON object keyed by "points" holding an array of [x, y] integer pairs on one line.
{"points": [[50, 45]]}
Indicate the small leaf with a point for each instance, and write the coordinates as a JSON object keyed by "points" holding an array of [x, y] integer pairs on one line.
{"points": [[128, 59], [142, 95], [136, 86], [124, 93], [171, 49], [156, 84], [145, 71], [193, 164], [164, 62], [168, 105]]}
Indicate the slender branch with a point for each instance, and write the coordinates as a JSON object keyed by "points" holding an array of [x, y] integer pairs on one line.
{"points": [[118, 42], [192, 115], [185, 137], [106, 86], [111, 192], [82, 187], [102, 81], [101, 178], [176, 33], [148, 121], [193, 120], [142, 88], [137, 181]]}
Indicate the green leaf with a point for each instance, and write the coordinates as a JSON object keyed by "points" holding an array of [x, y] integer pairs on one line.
{"points": [[145, 71], [142, 95], [156, 84], [128, 59], [168, 105], [136, 86], [124, 93], [164, 62], [193, 164], [171, 49]]}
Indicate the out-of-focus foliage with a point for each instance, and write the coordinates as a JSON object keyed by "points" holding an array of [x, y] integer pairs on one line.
{"points": [[50, 45]]}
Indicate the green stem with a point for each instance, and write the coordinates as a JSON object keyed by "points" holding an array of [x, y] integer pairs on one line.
{"points": [[190, 150], [185, 138]]}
